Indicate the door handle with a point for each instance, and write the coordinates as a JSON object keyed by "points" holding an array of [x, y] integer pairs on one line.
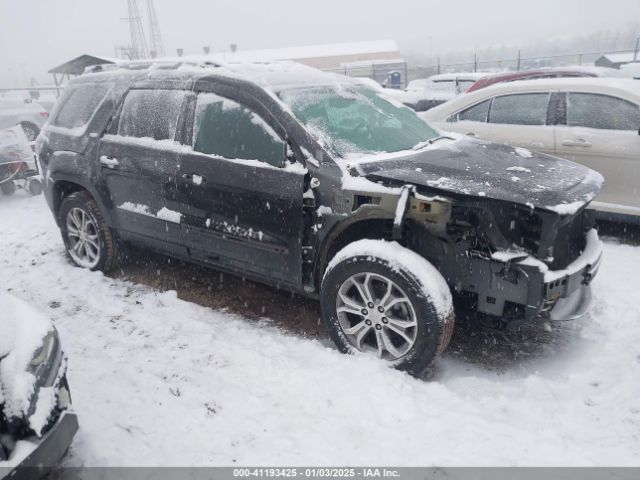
{"points": [[109, 161], [471, 134], [580, 142], [194, 178]]}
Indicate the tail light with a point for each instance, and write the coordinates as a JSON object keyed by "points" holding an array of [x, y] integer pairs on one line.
{"points": [[44, 114]]}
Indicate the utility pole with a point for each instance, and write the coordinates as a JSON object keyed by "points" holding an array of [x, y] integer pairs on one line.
{"points": [[635, 52], [138, 42], [155, 37]]}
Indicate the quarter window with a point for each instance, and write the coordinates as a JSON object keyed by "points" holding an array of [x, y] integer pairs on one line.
{"points": [[520, 109], [477, 113], [601, 111], [151, 114], [227, 129], [78, 105]]}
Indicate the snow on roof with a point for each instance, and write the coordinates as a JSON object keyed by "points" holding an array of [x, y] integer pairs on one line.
{"points": [[313, 51], [459, 76], [278, 74], [626, 84], [626, 57], [591, 69]]}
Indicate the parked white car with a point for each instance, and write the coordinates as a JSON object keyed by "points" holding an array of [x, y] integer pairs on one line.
{"points": [[31, 116], [593, 121], [426, 93]]}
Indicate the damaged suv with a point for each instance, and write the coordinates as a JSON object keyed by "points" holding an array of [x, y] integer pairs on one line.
{"points": [[314, 183]]}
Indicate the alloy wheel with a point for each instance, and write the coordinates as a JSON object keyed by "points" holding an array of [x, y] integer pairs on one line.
{"points": [[376, 315], [82, 234]]}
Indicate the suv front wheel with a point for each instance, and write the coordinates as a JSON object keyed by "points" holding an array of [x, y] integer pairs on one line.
{"points": [[86, 235], [383, 298]]}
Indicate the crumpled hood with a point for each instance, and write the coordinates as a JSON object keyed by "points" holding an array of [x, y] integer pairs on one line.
{"points": [[476, 168]]}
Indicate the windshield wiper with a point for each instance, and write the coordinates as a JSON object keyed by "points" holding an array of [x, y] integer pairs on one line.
{"points": [[431, 141]]}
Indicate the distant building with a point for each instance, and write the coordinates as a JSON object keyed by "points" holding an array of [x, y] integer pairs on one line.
{"points": [[380, 60], [325, 57], [616, 60]]}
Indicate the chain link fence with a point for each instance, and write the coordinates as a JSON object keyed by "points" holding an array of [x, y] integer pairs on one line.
{"points": [[518, 62]]}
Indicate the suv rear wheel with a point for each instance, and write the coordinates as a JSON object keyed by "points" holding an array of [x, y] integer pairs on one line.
{"points": [[382, 298], [86, 235]]}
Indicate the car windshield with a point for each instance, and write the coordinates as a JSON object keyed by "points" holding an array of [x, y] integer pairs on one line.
{"points": [[351, 120]]}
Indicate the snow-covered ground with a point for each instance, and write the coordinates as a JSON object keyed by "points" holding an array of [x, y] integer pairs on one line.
{"points": [[159, 381]]}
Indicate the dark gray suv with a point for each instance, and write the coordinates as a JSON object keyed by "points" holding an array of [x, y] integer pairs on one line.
{"points": [[316, 184]]}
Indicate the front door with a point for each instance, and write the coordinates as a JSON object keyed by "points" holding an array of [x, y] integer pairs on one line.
{"points": [[241, 206], [601, 132], [139, 163]]}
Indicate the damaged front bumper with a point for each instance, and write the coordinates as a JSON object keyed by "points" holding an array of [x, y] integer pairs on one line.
{"points": [[523, 288], [44, 453], [566, 292], [35, 456]]}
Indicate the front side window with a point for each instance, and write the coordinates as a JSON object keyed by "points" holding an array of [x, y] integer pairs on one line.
{"points": [[151, 114], [78, 104], [230, 130], [601, 111], [477, 113], [520, 109], [351, 120]]}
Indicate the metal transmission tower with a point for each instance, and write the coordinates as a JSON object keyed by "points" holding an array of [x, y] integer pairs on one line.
{"points": [[155, 37], [138, 42]]}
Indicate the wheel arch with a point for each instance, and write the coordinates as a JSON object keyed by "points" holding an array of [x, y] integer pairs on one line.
{"points": [[65, 186], [359, 228]]}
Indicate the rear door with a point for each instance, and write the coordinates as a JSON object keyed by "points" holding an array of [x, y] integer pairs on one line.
{"points": [[139, 163], [601, 132], [516, 119], [241, 206]]}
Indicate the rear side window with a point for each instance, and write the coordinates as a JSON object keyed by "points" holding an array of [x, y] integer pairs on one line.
{"points": [[227, 129], [151, 114], [477, 113], [601, 111], [520, 109], [78, 105]]}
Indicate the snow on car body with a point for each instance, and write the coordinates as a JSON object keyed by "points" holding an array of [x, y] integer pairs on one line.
{"points": [[425, 93], [273, 170], [36, 427]]}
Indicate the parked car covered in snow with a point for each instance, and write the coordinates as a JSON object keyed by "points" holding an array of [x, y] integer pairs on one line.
{"points": [[426, 93], [593, 121], [552, 72], [315, 183], [29, 115], [36, 425]]}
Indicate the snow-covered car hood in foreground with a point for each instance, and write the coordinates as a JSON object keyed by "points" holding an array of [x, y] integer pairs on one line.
{"points": [[500, 172], [22, 332]]}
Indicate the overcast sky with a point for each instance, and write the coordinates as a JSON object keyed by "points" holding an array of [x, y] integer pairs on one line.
{"points": [[36, 35]]}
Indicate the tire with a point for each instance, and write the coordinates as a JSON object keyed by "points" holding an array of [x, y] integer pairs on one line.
{"points": [[405, 294], [30, 130], [99, 250], [8, 188], [35, 187]]}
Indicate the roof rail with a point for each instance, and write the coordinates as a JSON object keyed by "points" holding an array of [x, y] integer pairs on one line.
{"points": [[162, 64]]}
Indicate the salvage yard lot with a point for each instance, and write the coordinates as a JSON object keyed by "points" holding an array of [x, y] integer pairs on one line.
{"points": [[157, 380]]}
